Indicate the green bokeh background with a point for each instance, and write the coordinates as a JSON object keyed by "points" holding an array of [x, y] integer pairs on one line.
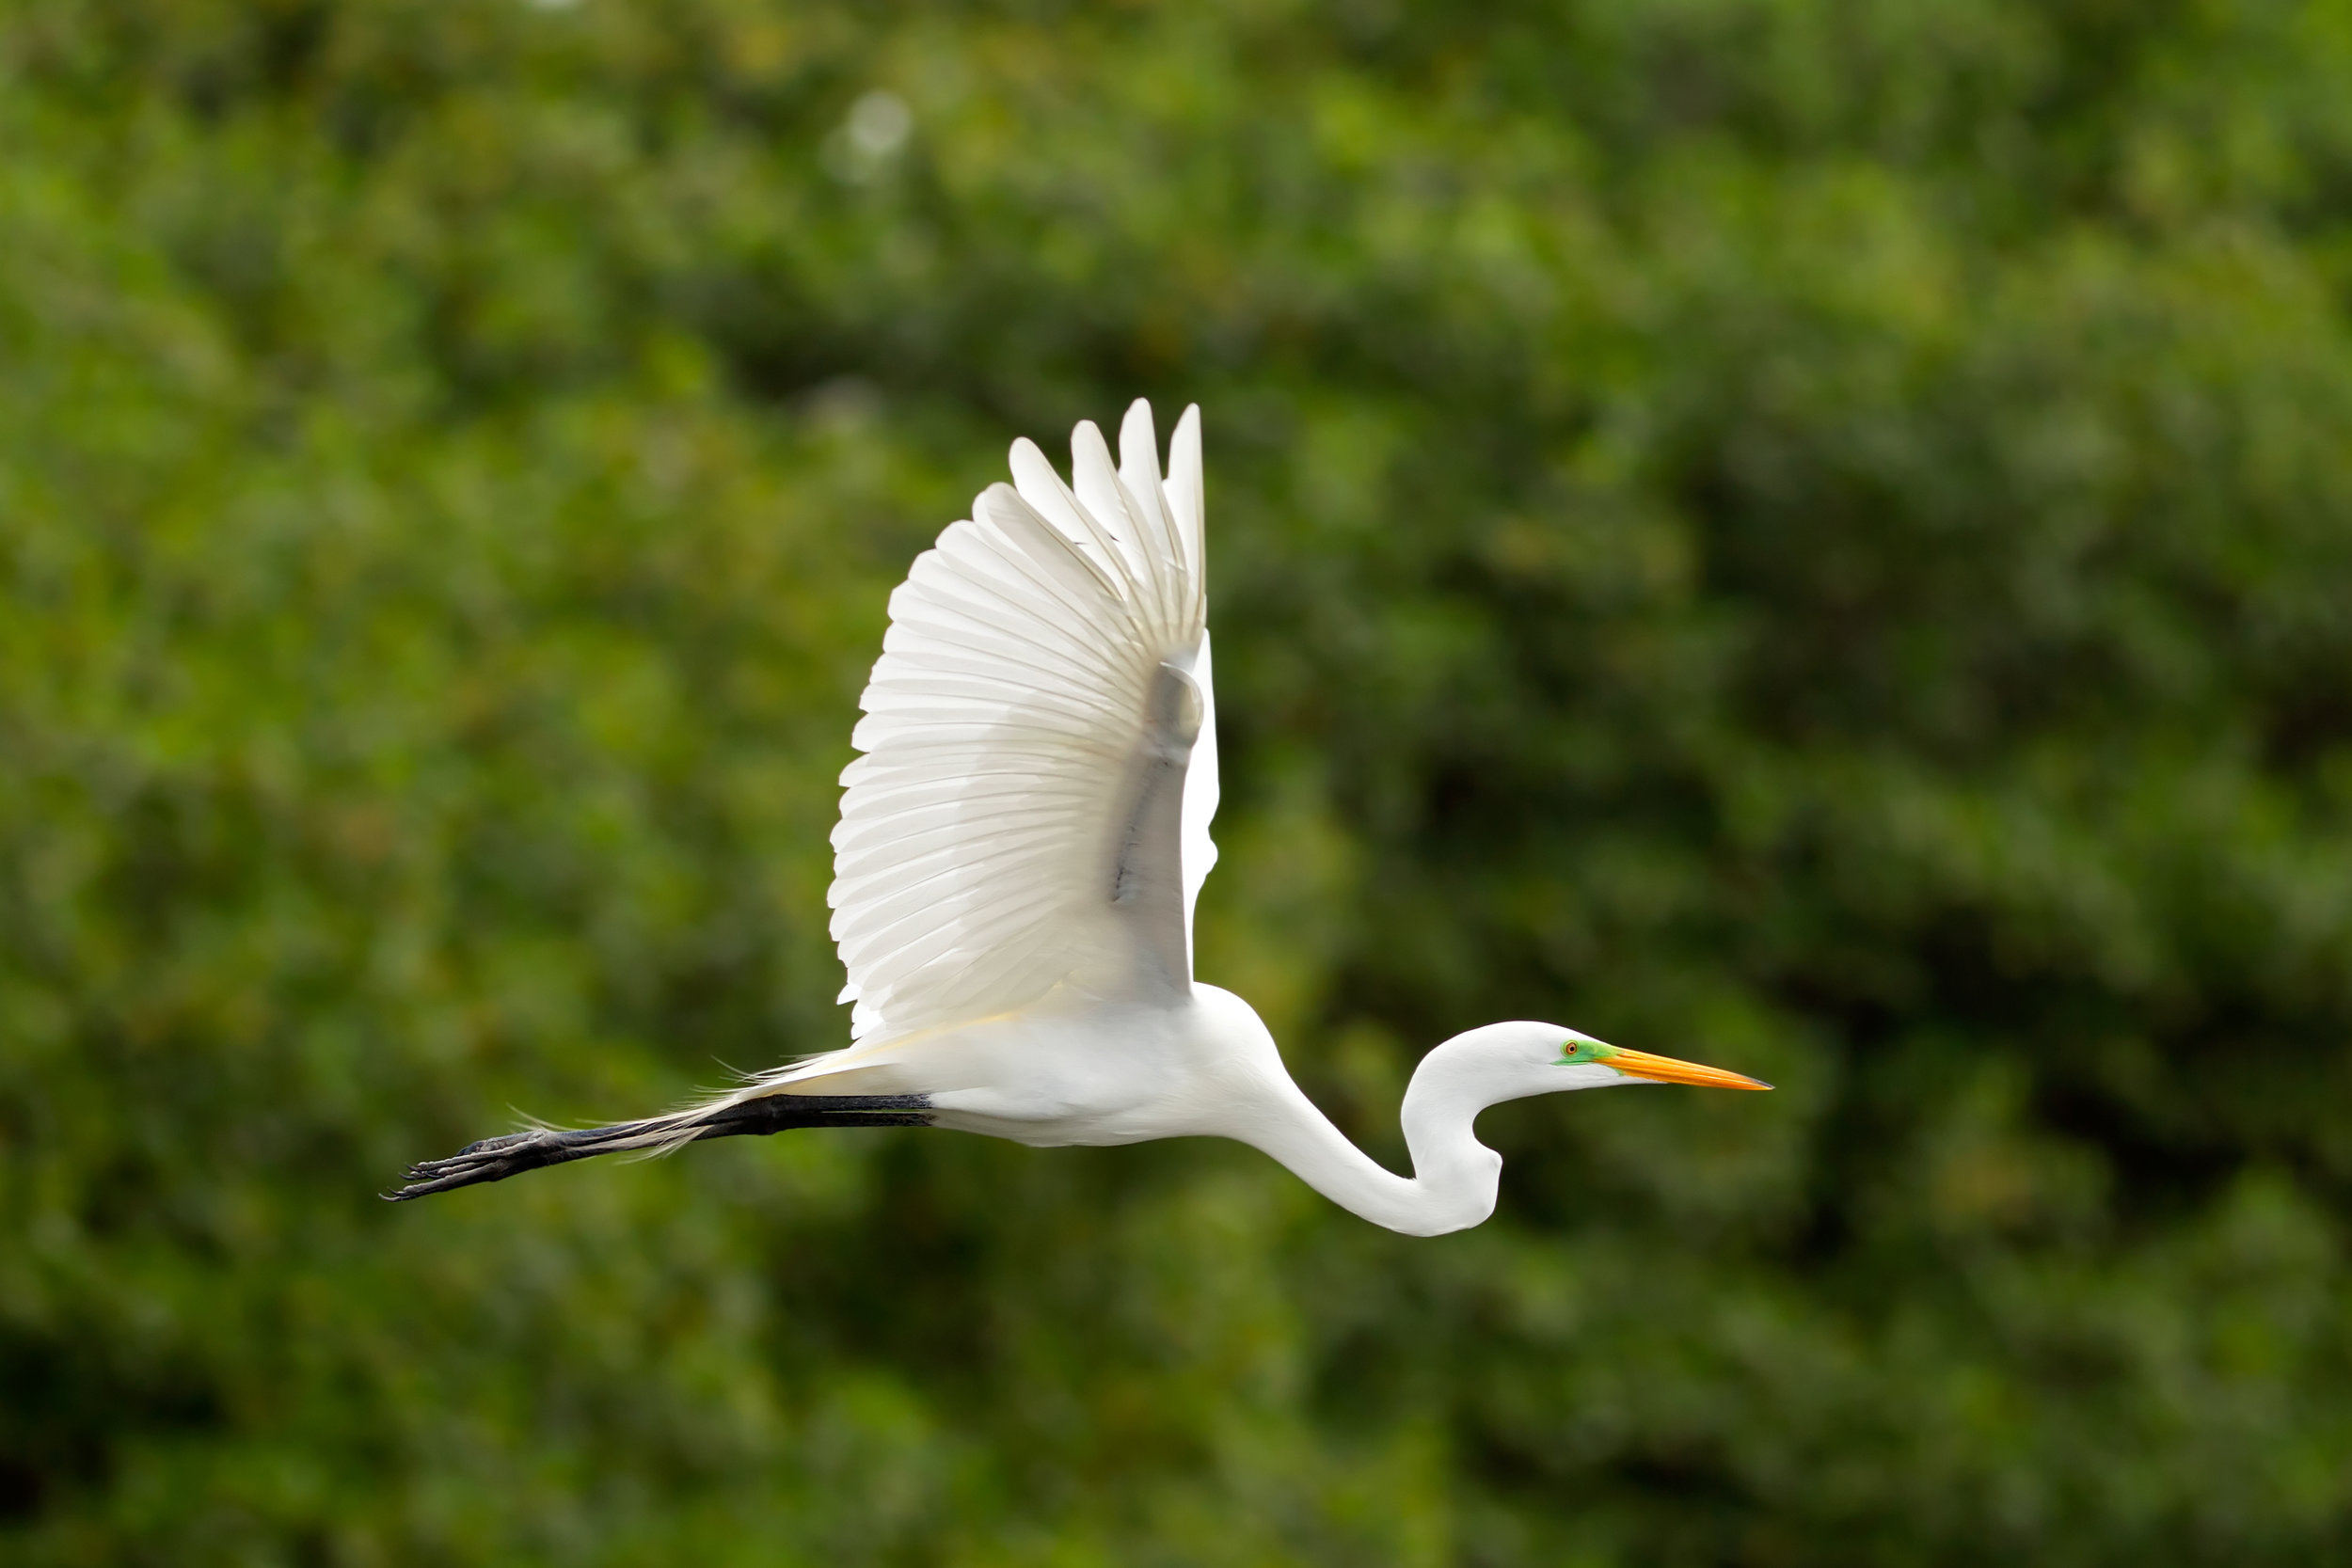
{"points": [[1815, 537]]}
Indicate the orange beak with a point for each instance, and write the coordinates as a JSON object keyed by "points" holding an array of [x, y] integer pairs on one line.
{"points": [[1665, 1069]]}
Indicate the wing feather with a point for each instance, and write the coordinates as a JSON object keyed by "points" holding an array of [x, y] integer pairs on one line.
{"points": [[1010, 829]]}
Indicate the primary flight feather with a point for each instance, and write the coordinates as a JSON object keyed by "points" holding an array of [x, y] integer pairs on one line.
{"points": [[1021, 844]]}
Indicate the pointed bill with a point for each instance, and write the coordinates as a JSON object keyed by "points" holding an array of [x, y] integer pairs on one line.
{"points": [[1665, 1069]]}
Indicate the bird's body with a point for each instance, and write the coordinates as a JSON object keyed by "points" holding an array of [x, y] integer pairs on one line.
{"points": [[1019, 851], [1117, 1072]]}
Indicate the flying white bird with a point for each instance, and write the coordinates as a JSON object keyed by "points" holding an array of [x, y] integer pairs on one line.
{"points": [[1014, 872]]}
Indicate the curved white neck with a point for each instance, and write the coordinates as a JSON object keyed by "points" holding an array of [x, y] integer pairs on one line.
{"points": [[1454, 1176]]}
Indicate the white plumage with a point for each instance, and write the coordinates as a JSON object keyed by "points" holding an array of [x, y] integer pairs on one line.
{"points": [[1021, 845], [983, 824]]}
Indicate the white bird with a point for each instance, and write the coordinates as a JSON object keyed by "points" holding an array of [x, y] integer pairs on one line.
{"points": [[1014, 872]]}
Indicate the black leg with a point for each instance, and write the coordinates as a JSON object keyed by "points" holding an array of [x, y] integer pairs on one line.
{"points": [[496, 1159]]}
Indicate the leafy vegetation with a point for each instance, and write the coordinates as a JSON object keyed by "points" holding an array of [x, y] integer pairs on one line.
{"points": [[1813, 537]]}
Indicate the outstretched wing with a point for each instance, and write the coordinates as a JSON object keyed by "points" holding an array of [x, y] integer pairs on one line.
{"points": [[1040, 768]]}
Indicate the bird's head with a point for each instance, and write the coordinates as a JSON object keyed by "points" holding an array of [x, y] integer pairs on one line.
{"points": [[1513, 1061]]}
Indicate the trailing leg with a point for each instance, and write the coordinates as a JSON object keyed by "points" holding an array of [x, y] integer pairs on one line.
{"points": [[496, 1159]]}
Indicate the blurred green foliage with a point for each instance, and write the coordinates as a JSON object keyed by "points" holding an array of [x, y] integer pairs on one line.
{"points": [[1813, 536]]}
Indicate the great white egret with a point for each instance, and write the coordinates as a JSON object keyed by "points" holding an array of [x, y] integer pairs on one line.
{"points": [[1014, 872]]}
